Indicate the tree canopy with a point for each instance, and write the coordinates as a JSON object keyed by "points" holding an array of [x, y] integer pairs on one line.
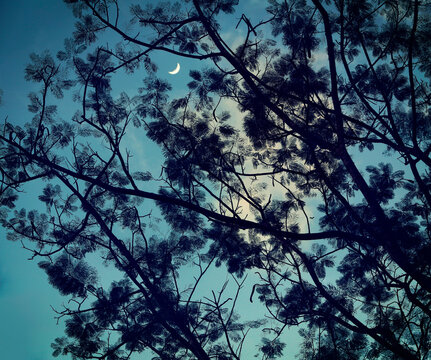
{"points": [[298, 156]]}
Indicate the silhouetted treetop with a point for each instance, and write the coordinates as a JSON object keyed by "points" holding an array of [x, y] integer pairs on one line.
{"points": [[295, 163]]}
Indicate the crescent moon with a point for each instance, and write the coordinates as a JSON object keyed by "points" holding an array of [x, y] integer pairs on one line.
{"points": [[177, 69]]}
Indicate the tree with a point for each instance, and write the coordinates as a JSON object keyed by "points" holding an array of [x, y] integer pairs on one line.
{"points": [[317, 84]]}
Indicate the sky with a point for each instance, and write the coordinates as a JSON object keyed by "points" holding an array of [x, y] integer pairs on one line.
{"points": [[27, 320], [27, 323]]}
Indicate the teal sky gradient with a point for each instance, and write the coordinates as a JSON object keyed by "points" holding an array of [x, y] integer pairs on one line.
{"points": [[27, 324], [27, 321]]}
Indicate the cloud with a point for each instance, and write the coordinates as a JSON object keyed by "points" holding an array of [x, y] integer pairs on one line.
{"points": [[237, 116], [233, 38], [320, 59]]}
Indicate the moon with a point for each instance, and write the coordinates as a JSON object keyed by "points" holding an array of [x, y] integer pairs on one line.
{"points": [[177, 69]]}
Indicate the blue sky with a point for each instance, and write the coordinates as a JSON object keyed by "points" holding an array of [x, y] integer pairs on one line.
{"points": [[27, 325], [27, 322]]}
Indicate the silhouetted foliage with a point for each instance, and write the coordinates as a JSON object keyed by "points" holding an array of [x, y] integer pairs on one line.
{"points": [[297, 161]]}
